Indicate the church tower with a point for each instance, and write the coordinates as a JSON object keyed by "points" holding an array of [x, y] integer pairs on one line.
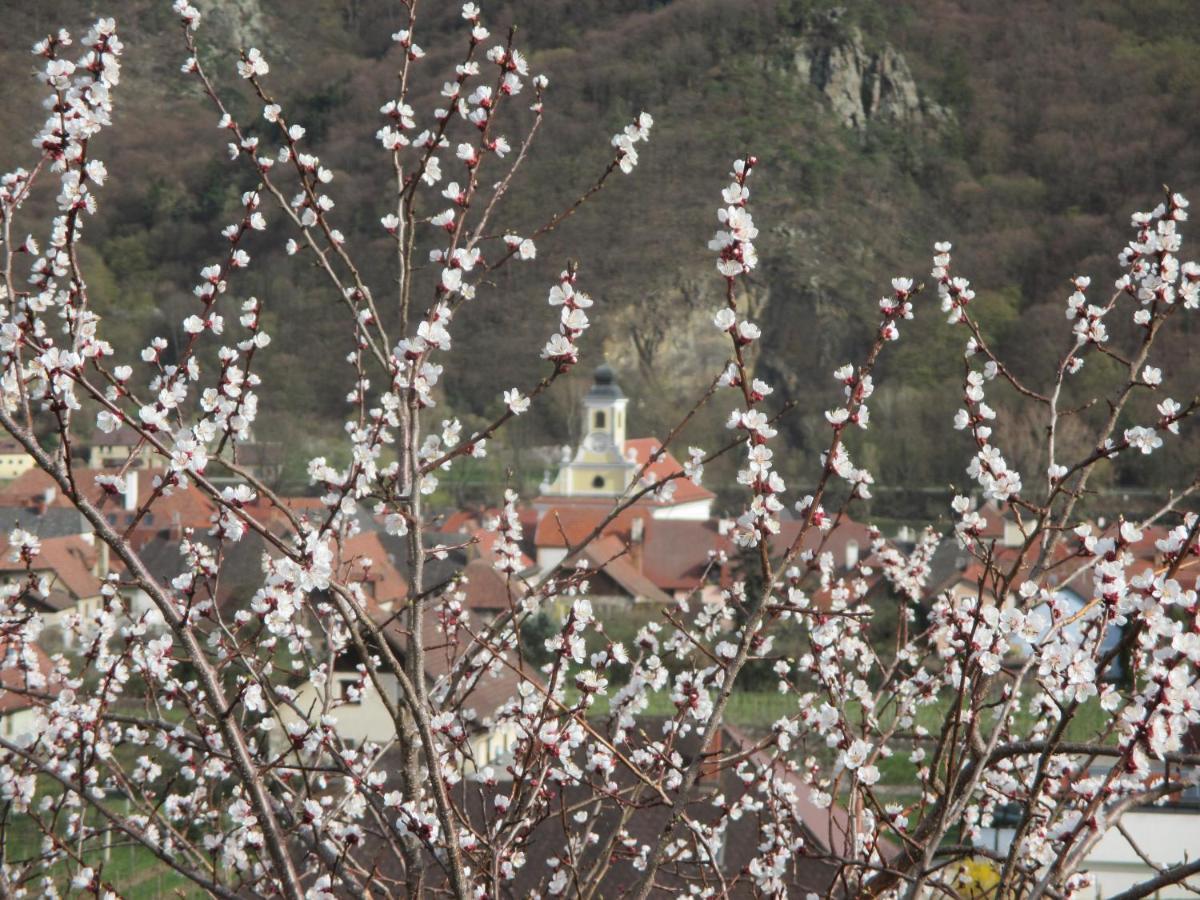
{"points": [[600, 468], [604, 413]]}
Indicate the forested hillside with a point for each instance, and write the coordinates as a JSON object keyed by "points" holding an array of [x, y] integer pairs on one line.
{"points": [[1026, 132]]}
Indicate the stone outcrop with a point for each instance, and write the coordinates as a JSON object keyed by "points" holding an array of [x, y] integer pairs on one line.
{"points": [[242, 22], [861, 86]]}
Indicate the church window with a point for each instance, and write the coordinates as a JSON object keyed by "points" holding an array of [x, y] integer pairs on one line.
{"points": [[598, 481], [598, 419]]}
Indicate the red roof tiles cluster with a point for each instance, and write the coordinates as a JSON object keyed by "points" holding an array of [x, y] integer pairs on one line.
{"points": [[180, 508], [69, 564], [639, 450]]}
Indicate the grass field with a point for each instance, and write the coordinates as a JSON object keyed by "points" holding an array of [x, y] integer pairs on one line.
{"points": [[128, 868], [755, 711]]}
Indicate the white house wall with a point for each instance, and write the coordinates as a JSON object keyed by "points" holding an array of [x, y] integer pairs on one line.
{"points": [[694, 511], [369, 720], [1167, 836]]}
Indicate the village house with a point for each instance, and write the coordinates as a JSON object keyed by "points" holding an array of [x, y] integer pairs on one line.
{"points": [[120, 498], [123, 446], [25, 674], [14, 459], [71, 568], [665, 546], [602, 469], [1152, 837]]}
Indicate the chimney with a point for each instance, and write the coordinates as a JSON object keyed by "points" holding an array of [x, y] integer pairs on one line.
{"points": [[637, 534], [131, 491], [851, 554], [102, 562], [709, 769], [39, 503]]}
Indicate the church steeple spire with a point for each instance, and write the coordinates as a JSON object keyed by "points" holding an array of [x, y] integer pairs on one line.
{"points": [[604, 413], [599, 468]]}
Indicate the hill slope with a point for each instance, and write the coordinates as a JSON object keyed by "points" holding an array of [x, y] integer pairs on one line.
{"points": [[1026, 132]]}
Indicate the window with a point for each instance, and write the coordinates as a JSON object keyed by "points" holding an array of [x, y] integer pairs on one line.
{"points": [[598, 481], [598, 420]]}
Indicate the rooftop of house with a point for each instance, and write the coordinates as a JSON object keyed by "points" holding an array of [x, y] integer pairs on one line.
{"points": [[808, 873], [177, 507], [11, 447], [488, 591], [612, 556], [25, 669], [57, 521], [641, 450], [123, 436], [68, 562]]}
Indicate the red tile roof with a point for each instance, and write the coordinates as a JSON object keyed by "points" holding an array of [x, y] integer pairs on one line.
{"points": [[836, 541], [67, 561], [610, 555], [486, 540], [488, 590], [571, 523], [182, 508], [676, 554], [387, 584], [17, 662], [686, 491]]}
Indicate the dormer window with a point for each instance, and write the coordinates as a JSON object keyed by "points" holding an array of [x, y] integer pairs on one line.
{"points": [[598, 420]]}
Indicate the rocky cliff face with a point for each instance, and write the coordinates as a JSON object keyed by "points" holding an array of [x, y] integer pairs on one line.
{"points": [[861, 86], [242, 22]]}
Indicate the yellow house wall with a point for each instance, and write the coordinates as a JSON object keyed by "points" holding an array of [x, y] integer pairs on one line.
{"points": [[14, 465], [581, 479], [102, 457], [19, 722]]}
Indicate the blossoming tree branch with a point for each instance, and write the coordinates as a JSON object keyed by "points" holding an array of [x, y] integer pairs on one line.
{"points": [[205, 729]]}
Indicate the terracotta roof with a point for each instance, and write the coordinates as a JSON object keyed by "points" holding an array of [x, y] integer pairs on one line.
{"points": [[30, 488], [488, 590], [10, 446], [686, 491], [836, 541], [183, 507], [1144, 551], [388, 584], [609, 555], [467, 519], [486, 540], [571, 523], [67, 562], [676, 552], [17, 663], [993, 520]]}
